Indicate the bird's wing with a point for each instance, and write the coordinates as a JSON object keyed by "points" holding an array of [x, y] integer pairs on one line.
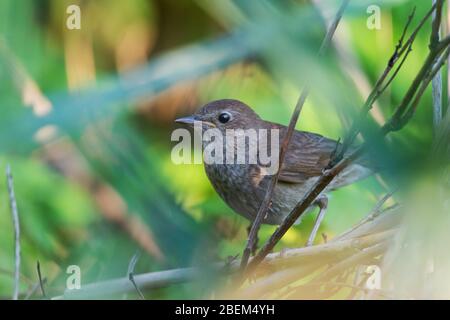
{"points": [[308, 154]]}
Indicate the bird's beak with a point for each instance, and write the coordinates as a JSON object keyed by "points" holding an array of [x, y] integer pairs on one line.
{"points": [[186, 120], [191, 119]]}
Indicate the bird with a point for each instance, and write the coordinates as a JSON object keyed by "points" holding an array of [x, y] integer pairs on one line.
{"points": [[243, 186]]}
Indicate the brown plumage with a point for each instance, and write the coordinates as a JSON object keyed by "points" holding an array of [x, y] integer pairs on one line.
{"points": [[243, 186]]}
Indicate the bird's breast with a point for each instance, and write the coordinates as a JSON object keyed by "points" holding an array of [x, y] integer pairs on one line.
{"points": [[237, 185], [243, 188]]}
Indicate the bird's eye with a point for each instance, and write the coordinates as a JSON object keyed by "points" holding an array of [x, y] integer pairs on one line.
{"points": [[224, 117]]}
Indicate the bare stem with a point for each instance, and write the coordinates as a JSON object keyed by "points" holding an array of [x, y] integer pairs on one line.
{"points": [[437, 80], [301, 207], [41, 280], [402, 50], [131, 268]]}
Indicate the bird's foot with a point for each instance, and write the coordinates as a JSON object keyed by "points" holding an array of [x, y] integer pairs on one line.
{"points": [[322, 203]]}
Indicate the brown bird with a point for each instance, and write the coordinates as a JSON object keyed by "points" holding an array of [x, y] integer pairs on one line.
{"points": [[243, 186]]}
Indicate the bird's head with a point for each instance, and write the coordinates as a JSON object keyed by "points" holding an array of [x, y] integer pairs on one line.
{"points": [[224, 114]]}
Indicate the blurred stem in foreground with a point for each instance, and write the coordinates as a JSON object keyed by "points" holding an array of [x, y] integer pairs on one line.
{"points": [[15, 219], [437, 80]]}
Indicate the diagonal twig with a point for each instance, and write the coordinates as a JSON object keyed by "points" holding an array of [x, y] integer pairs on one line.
{"points": [[130, 272], [284, 145], [41, 280], [375, 212], [34, 288], [291, 257], [399, 120], [434, 61], [437, 80], [402, 50], [327, 176], [15, 219]]}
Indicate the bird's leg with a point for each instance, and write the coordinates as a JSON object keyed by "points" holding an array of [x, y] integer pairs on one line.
{"points": [[255, 244], [322, 203]]}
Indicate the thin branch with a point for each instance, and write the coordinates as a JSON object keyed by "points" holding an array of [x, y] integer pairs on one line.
{"points": [[356, 259], [284, 145], [433, 74], [281, 279], [131, 268], [437, 80], [401, 50], [341, 285], [387, 218], [437, 100], [375, 212], [34, 288], [388, 83], [416, 31], [11, 273], [15, 219], [41, 281]]}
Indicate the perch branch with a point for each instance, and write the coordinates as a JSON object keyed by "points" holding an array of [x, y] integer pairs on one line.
{"points": [[437, 80], [15, 219], [41, 281], [394, 123], [265, 204], [291, 257]]}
